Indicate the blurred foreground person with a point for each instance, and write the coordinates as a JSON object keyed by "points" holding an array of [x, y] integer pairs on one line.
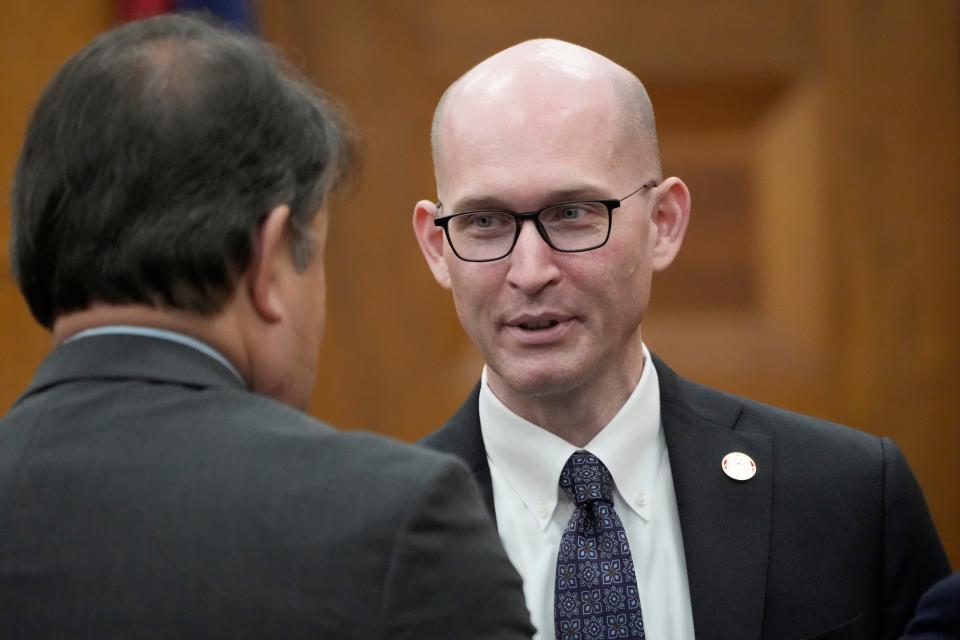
{"points": [[634, 503], [169, 224]]}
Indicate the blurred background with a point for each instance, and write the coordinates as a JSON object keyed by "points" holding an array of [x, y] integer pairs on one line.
{"points": [[820, 140]]}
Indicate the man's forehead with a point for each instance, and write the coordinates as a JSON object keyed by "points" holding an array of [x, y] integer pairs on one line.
{"points": [[496, 108], [530, 84], [571, 158], [544, 125], [541, 108]]}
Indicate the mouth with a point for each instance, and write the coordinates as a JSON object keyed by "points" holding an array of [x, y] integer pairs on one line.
{"points": [[537, 325], [538, 331]]}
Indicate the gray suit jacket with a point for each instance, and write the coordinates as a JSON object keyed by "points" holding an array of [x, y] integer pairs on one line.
{"points": [[831, 539], [144, 493]]}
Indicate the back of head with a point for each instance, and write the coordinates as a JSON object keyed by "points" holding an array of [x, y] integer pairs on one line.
{"points": [[151, 158]]}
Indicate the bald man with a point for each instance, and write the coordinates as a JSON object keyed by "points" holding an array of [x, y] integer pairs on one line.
{"points": [[636, 504]]}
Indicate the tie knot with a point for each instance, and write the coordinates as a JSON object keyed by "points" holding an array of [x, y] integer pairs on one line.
{"points": [[585, 479]]}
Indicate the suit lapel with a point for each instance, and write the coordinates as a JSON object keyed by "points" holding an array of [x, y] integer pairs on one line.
{"points": [[461, 436], [725, 524]]}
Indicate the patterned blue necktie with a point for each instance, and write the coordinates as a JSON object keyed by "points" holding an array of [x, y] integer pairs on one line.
{"points": [[596, 596]]}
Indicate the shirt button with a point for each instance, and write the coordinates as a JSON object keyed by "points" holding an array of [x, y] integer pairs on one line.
{"points": [[640, 499], [542, 511]]}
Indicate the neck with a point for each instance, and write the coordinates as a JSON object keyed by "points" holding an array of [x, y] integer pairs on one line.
{"points": [[218, 331], [576, 414]]}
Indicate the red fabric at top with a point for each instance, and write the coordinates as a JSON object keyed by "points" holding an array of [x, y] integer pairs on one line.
{"points": [[136, 9]]}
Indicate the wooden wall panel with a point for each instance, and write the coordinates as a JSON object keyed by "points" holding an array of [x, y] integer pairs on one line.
{"points": [[892, 72]]}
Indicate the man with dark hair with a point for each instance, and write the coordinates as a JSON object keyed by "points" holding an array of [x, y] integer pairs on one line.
{"points": [[168, 228], [636, 504]]}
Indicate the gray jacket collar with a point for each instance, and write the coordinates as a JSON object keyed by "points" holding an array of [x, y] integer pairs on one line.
{"points": [[125, 357]]}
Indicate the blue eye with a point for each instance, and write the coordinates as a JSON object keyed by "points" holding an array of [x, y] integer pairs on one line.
{"points": [[482, 221]]}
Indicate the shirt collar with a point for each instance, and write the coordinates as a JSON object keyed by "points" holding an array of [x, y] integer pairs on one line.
{"points": [[530, 458], [162, 334]]}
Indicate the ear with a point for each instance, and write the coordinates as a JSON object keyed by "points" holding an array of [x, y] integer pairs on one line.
{"points": [[270, 255], [431, 240], [670, 218]]}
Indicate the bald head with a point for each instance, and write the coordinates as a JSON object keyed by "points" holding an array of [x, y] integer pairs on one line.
{"points": [[519, 84]]}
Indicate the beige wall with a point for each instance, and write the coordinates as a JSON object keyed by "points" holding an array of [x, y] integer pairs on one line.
{"points": [[821, 141]]}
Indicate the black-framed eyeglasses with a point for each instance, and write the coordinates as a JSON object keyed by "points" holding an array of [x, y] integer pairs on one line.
{"points": [[486, 235]]}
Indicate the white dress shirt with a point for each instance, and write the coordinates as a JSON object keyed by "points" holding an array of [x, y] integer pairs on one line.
{"points": [[532, 511]]}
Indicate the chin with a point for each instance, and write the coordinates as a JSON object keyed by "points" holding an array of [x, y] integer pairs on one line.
{"points": [[544, 379]]}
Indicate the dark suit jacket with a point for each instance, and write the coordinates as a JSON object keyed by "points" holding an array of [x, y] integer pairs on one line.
{"points": [[144, 493], [831, 539], [938, 614]]}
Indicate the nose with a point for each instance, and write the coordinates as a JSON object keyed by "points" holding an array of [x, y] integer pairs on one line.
{"points": [[532, 262]]}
